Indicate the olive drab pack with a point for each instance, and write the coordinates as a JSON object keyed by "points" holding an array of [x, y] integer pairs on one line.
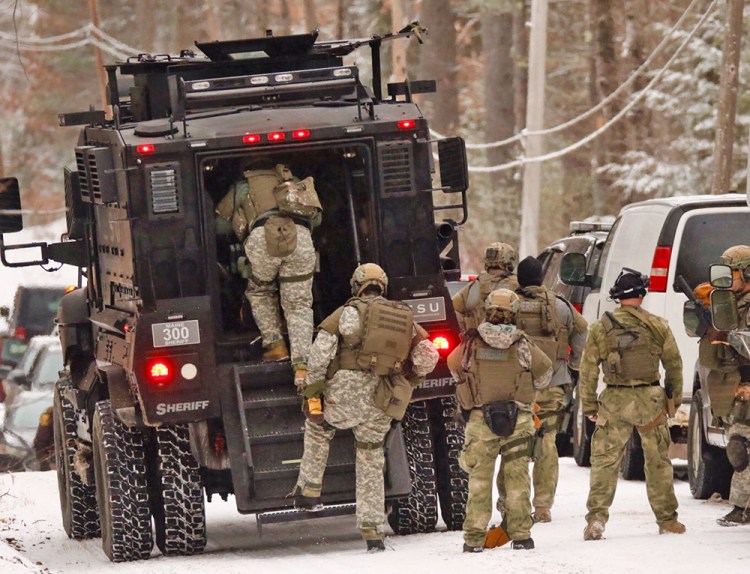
{"points": [[298, 198], [631, 354], [537, 317], [494, 375], [385, 339]]}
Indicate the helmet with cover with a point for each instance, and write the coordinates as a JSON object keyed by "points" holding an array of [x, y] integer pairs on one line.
{"points": [[738, 258], [368, 274], [501, 306], [630, 284], [499, 256]]}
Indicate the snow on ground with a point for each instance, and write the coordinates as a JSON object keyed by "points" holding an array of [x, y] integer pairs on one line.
{"points": [[30, 527]]}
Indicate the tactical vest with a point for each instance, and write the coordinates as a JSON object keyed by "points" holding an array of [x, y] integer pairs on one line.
{"points": [[537, 317], [630, 357], [383, 341], [495, 375], [477, 293]]}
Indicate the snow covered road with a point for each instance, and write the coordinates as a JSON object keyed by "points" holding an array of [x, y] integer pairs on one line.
{"points": [[30, 523]]}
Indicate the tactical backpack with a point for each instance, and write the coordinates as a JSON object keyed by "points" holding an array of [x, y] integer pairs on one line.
{"points": [[537, 317], [631, 353]]}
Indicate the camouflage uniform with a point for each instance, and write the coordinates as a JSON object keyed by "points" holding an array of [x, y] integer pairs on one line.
{"points": [[627, 404], [348, 403], [481, 445], [293, 277], [552, 400], [499, 260]]}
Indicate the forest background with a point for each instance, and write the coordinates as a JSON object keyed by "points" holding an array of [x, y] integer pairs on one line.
{"points": [[477, 50]]}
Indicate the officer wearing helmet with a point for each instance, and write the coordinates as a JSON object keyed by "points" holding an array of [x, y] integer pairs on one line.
{"points": [[499, 262], [498, 370], [365, 353], [728, 369], [628, 344]]}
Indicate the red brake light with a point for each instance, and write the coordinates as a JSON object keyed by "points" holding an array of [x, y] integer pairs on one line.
{"points": [[301, 134], [442, 343], [407, 124], [159, 372], [251, 138], [276, 136], [20, 332], [145, 148], [659, 270], [578, 307]]}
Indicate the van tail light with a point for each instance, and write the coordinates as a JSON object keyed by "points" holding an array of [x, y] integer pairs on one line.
{"points": [[659, 270], [443, 343], [578, 307], [20, 332]]}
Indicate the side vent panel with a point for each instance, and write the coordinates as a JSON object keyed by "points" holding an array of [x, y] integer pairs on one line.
{"points": [[96, 174], [163, 183], [396, 169]]}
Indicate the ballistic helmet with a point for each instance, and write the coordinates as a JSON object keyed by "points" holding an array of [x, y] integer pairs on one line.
{"points": [[630, 284], [737, 257], [499, 255], [368, 274], [501, 299]]}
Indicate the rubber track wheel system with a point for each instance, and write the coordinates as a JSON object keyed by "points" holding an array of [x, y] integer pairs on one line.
{"points": [[121, 487], [632, 459], [80, 514], [419, 511], [709, 470], [177, 501], [452, 481]]}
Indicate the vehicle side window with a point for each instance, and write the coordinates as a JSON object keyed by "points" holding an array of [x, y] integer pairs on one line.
{"points": [[713, 232], [599, 274]]}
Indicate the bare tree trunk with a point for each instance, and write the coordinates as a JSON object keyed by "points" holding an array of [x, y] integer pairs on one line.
{"points": [[398, 49], [438, 62], [145, 17], [637, 13], [311, 18], [212, 22], [285, 19]]}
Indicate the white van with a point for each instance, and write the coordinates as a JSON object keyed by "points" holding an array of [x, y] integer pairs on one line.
{"points": [[663, 238]]}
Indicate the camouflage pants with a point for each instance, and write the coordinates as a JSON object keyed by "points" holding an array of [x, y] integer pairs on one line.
{"points": [[478, 461], [739, 493], [348, 403], [293, 277], [619, 411], [545, 471]]}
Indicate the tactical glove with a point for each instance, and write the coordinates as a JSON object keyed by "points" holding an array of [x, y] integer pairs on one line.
{"points": [[313, 410]]}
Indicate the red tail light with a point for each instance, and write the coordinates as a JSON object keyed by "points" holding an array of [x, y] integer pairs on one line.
{"points": [[145, 149], [251, 138], [276, 136], [660, 270], [301, 134], [20, 332], [159, 372], [443, 343], [578, 307], [407, 124]]}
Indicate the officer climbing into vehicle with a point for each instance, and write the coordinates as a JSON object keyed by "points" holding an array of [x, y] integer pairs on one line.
{"points": [[273, 212], [498, 370], [560, 331], [734, 370], [365, 361], [629, 343], [499, 261]]}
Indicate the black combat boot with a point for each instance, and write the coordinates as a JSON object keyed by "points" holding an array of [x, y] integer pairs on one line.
{"points": [[525, 544], [308, 503], [375, 546], [473, 549], [737, 517]]}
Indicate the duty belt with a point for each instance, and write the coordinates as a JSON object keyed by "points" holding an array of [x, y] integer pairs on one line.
{"points": [[261, 221], [654, 384]]}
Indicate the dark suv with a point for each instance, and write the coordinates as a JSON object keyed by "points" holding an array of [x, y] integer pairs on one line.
{"points": [[586, 237]]}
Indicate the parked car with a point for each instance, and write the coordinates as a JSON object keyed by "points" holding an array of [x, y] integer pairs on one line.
{"points": [[586, 238], [19, 429], [664, 238], [34, 310], [37, 370]]}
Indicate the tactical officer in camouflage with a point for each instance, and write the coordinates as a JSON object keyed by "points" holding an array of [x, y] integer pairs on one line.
{"points": [[274, 213], [735, 369], [560, 331], [498, 370], [499, 261], [360, 347], [629, 343]]}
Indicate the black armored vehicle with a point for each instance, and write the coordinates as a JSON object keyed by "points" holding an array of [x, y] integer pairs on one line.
{"points": [[166, 397]]}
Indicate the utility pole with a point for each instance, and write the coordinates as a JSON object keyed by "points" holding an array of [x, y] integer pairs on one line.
{"points": [[727, 108], [94, 10], [529, 240]]}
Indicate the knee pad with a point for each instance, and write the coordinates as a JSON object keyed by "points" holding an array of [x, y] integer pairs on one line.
{"points": [[737, 452]]}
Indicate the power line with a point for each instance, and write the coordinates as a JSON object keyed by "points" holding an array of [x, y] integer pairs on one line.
{"points": [[617, 117], [615, 94]]}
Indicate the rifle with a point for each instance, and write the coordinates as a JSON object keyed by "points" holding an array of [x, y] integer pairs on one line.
{"points": [[696, 316]]}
